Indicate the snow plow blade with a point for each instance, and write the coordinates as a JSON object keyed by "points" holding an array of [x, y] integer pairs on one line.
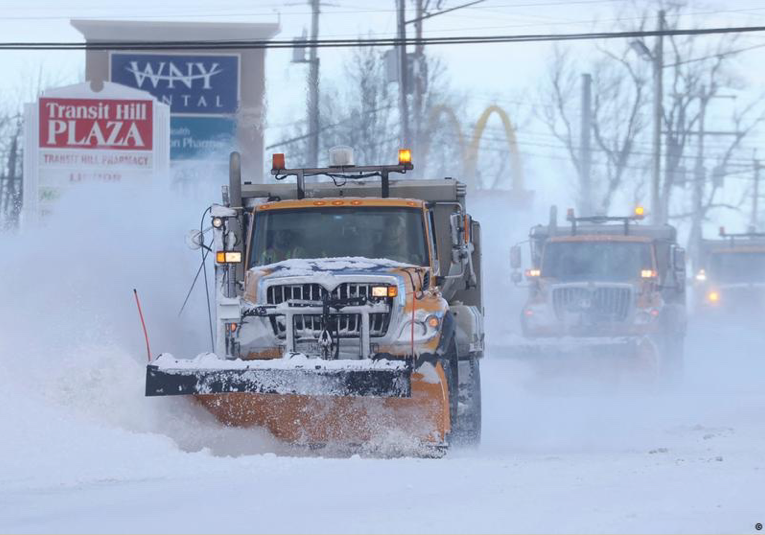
{"points": [[309, 377]]}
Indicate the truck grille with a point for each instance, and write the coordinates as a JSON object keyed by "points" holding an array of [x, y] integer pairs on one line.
{"points": [[309, 325], [606, 304]]}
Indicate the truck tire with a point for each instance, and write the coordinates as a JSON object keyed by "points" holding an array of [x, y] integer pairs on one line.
{"points": [[466, 430]]}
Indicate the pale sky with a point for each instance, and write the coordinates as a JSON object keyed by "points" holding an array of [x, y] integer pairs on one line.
{"points": [[507, 74]]}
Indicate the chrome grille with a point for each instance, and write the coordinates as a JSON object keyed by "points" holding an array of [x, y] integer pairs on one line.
{"points": [[309, 325], [607, 304]]}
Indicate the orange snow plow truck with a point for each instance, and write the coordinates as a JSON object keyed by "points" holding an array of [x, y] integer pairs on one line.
{"points": [[348, 311], [608, 287]]}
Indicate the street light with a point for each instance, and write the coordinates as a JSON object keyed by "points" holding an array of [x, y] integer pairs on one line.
{"points": [[642, 50]]}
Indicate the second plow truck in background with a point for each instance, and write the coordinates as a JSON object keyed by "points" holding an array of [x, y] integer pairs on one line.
{"points": [[606, 287], [348, 311], [731, 277]]}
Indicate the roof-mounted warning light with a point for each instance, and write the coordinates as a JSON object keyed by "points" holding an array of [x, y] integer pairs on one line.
{"points": [[278, 161], [405, 158], [639, 212], [341, 156]]}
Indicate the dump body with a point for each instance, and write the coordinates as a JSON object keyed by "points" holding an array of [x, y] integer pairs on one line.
{"points": [[350, 317]]}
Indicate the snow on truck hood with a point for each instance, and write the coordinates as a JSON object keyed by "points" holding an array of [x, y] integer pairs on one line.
{"points": [[329, 267]]}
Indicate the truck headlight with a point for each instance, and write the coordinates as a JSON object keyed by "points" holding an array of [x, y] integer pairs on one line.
{"points": [[384, 291]]}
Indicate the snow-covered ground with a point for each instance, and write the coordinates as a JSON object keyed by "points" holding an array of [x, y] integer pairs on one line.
{"points": [[83, 451]]}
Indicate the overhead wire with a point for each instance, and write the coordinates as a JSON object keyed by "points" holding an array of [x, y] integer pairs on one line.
{"points": [[214, 44]]}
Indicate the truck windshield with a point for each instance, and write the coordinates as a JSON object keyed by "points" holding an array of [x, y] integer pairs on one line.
{"points": [[606, 261], [737, 267], [336, 232]]}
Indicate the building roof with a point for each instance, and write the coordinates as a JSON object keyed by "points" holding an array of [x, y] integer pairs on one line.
{"points": [[131, 30]]}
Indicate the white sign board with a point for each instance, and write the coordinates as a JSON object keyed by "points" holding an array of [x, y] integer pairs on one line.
{"points": [[74, 134]]}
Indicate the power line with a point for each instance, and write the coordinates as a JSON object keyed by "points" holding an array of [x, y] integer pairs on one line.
{"points": [[352, 43]]}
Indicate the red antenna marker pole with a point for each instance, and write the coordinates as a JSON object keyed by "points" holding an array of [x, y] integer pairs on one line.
{"points": [[143, 324]]}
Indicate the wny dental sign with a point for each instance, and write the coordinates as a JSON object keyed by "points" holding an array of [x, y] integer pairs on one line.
{"points": [[75, 135], [96, 124]]}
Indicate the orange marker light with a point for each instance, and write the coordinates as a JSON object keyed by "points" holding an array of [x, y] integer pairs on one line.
{"points": [[278, 161], [404, 156], [228, 257], [433, 321], [392, 291], [639, 212]]}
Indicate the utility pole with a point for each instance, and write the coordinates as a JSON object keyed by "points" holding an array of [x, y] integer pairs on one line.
{"points": [[313, 89], [657, 215], [699, 181], [756, 197], [419, 82], [403, 75], [585, 154]]}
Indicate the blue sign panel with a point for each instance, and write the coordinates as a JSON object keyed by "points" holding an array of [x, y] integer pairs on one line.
{"points": [[193, 84], [196, 138]]}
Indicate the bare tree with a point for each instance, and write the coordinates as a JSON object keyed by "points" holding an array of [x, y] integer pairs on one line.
{"points": [[360, 111], [32, 82], [618, 118], [698, 69]]}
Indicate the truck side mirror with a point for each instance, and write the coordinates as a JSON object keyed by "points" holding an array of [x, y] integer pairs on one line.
{"points": [[515, 257], [679, 259], [456, 222]]}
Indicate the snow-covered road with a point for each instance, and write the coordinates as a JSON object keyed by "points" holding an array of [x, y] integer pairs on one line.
{"points": [[81, 449], [553, 460]]}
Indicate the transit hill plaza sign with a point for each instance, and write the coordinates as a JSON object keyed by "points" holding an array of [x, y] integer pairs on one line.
{"points": [[76, 123], [75, 134]]}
